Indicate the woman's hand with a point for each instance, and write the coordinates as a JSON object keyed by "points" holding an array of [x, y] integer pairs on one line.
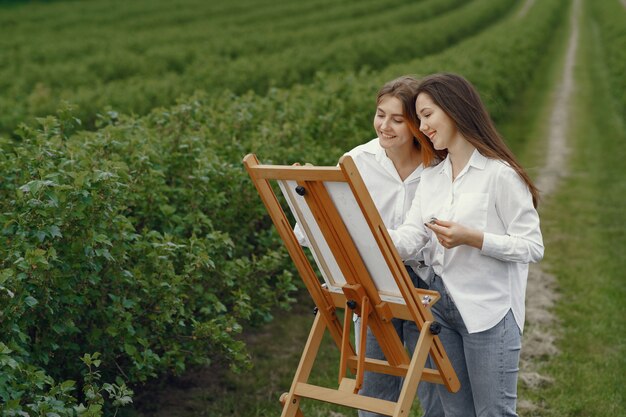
{"points": [[451, 234]]}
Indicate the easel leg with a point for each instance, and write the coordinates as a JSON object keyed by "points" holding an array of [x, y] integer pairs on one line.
{"points": [[345, 344], [283, 401], [414, 374], [292, 401], [360, 369]]}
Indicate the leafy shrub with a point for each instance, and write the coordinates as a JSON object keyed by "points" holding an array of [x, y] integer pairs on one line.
{"points": [[26, 389], [97, 257]]}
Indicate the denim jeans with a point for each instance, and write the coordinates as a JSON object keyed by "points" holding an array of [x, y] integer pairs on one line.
{"points": [[388, 387], [486, 363]]}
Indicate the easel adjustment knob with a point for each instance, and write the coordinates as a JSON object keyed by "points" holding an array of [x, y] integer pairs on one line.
{"points": [[351, 304], [435, 328], [315, 310], [300, 190]]}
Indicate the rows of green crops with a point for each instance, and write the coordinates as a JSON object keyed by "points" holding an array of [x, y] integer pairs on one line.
{"points": [[143, 239], [609, 20], [134, 65]]}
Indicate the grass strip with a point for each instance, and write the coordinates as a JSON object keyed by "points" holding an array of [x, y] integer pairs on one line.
{"points": [[585, 237]]}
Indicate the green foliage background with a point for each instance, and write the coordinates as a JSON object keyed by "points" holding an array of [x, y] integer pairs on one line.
{"points": [[129, 227]]}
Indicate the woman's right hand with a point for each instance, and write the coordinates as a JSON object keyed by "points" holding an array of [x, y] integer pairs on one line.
{"points": [[451, 234]]}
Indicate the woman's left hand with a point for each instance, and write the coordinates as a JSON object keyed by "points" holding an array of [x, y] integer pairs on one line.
{"points": [[451, 234]]}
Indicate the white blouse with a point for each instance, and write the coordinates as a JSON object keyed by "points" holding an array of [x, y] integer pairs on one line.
{"points": [[487, 195]]}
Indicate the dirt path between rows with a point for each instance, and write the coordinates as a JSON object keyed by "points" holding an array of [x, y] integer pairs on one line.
{"points": [[541, 324]]}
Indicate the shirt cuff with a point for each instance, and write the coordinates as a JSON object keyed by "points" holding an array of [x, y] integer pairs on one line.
{"points": [[492, 244]]}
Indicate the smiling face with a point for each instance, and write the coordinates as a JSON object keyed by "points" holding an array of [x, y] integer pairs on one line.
{"points": [[393, 130], [435, 123]]}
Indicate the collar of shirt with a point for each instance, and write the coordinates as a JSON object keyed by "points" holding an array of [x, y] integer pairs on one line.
{"points": [[477, 160], [378, 151]]}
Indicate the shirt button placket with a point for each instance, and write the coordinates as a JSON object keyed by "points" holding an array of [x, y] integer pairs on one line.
{"points": [[400, 205]]}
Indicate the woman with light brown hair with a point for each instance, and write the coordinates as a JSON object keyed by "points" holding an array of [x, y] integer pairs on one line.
{"points": [[391, 167], [476, 214]]}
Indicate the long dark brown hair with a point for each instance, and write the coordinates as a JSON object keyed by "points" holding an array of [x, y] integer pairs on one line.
{"points": [[404, 88], [461, 101]]}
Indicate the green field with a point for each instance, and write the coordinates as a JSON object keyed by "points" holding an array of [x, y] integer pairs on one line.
{"points": [[130, 229]]}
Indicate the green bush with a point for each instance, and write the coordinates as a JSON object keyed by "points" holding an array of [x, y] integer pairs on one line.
{"points": [[26, 389], [97, 257]]}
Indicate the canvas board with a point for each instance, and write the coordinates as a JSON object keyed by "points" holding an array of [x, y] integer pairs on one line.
{"points": [[344, 200]]}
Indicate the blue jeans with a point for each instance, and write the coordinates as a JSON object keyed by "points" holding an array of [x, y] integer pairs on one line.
{"points": [[487, 362], [388, 387]]}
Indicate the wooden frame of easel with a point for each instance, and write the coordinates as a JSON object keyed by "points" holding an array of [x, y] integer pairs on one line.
{"points": [[336, 212]]}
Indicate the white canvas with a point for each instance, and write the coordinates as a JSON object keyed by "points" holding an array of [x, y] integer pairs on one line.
{"points": [[359, 230]]}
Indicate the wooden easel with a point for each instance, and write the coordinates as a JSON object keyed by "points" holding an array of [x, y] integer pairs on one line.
{"points": [[363, 273]]}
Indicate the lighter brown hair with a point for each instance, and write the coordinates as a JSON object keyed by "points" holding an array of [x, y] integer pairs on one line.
{"points": [[404, 88]]}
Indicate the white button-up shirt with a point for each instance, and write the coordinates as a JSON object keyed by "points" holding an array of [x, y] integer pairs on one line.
{"points": [[490, 196], [392, 196]]}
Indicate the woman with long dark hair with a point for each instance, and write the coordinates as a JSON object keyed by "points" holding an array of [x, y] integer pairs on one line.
{"points": [[476, 214]]}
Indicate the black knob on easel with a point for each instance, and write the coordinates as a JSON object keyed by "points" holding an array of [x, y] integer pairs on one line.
{"points": [[300, 190], [315, 310], [351, 304], [435, 328]]}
